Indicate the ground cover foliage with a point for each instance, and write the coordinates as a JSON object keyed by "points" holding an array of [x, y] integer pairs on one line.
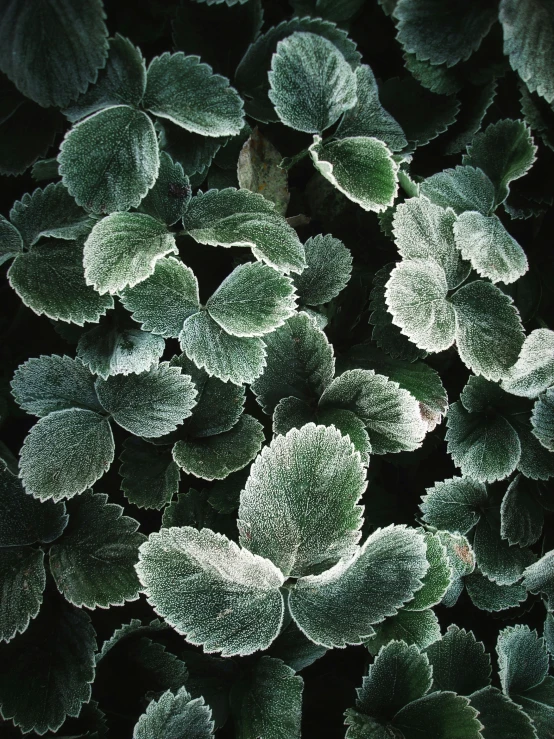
{"points": [[277, 375]]}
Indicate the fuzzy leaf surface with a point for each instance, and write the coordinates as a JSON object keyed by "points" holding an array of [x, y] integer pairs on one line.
{"points": [[462, 188], [171, 194], [450, 657], [149, 476], [175, 717], [454, 504], [110, 350], [329, 264], [542, 420], [533, 372], [23, 579]]}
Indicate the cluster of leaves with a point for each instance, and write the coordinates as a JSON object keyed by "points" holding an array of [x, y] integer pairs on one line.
{"points": [[302, 380]]}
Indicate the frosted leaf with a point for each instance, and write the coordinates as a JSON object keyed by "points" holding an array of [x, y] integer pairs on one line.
{"points": [[461, 188], [454, 504], [176, 716], [533, 372]]}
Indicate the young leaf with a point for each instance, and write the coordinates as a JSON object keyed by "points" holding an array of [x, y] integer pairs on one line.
{"points": [[11, 242], [462, 188], [442, 714], [450, 658], [110, 160], [54, 383], [227, 357], [539, 578], [454, 504], [65, 453], [175, 717], [349, 425], [360, 167], [521, 514], [23, 579], [533, 372], [258, 170], [49, 279], [242, 218], [186, 92], [500, 716], [329, 264], [149, 476], [170, 196], [216, 457], [382, 575], [151, 404], [488, 595], [69, 43], [413, 627], [311, 82], [438, 578], [542, 420], [122, 250], [496, 558], [212, 592], [252, 301], [93, 563], [303, 514]]}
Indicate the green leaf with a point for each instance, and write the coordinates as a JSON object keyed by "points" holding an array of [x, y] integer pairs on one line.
{"points": [[295, 649], [535, 462], [522, 659], [363, 727], [163, 301], [227, 357], [489, 334], [300, 363], [45, 674], [175, 717], [368, 117], [110, 160], [170, 196], [151, 404], [423, 230], [108, 349], [190, 509], [442, 714], [242, 218], [549, 633], [186, 92], [500, 716], [533, 372], [529, 43], [416, 296], [50, 280], [538, 704], [440, 79], [450, 658], [438, 578], [194, 153], [505, 152], [522, 516], [121, 81], [462, 188], [252, 301], [391, 415], [149, 476], [542, 420], [488, 595], [496, 558], [11, 242], [128, 632], [299, 506], [23, 579], [216, 457], [329, 264], [443, 34], [311, 82], [122, 250], [293, 413], [539, 578], [23, 519], [459, 553], [69, 44], [382, 575], [360, 167], [54, 383], [93, 563], [349, 425], [267, 703], [212, 592], [455, 504], [50, 212], [65, 453], [413, 627], [45, 169]]}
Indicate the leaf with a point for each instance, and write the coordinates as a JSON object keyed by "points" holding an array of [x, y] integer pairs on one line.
{"points": [[360, 167], [442, 714], [443, 35], [413, 627], [175, 717], [151, 404], [54, 383], [437, 579], [542, 420], [423, 230], [258, 170], [49, 212], [267, 703], [252, 301], [108, 349], [522, 516], [382, 575], [488, 595], [163, 301], [496, 558], [295, 649], [50, 280], [11, 243], [23, 519], [170, 196], [450, 657], [349, 425], [241, 610], [69, 43], [121, 81], [390, 414], [122, 250], [190, 509], [416, 296], [216, 457], [529, 43], [459, 553], [194, 153], [149, 476], [93, 564], [462, 188], [129, 632], [23, 579], [65, 453], [45, 674], [329, 264], [311, 82], [533, 372], [500, 716], [299, 506], [227, 357], [522, 659], [505, 152], [455, 504], [487, 318], [368, 117], [241, 218], [539, 578], [294, 413]]}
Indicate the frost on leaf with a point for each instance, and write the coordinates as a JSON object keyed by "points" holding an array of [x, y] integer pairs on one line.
{"points": [[533, 372]]}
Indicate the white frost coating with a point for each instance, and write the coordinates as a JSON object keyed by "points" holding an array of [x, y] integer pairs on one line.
{"points": [[534, 370]]}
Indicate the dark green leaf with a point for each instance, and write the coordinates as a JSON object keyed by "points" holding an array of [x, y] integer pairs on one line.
{"points": [[23, 579], [149, 476]]}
